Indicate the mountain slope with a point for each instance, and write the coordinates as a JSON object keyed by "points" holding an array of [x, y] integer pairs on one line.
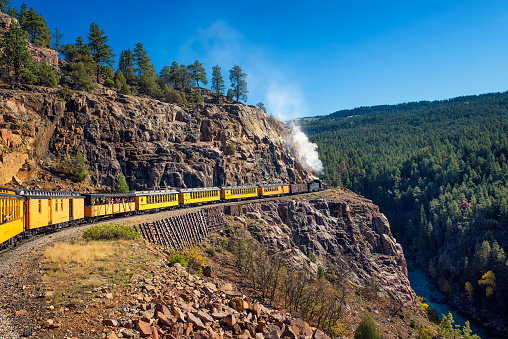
{"points": [[439, 172], [154, 144]]}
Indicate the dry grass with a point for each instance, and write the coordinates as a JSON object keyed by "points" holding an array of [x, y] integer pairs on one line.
{"points": [[79, 266]]}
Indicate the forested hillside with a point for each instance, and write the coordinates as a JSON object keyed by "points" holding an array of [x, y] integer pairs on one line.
{"points": [[439, 171]]}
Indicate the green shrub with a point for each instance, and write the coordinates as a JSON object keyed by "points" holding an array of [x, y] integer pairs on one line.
{"points": [[111, 232], [311, 256], [366, 329], [219, 249], [109, 83], [79, 168], [320, 272], [180, 258], [210, 251], [121, 185], [46, 76]]}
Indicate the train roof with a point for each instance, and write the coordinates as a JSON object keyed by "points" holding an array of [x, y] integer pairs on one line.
{"points": [[199, 189], [271, 185], [109, 195], [238, 187], [10, 195], [156, 192], [45, 194]]}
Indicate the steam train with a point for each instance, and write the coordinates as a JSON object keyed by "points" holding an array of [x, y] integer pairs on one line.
{"points": [[25, 212]]}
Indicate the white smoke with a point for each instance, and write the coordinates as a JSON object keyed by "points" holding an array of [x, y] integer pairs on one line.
{"points": [[306, 151]]}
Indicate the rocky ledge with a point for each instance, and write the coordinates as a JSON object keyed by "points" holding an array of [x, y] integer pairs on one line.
{"points": [[345, 232], [154, 144]]}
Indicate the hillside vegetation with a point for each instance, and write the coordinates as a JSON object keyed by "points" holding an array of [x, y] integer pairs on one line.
{"points": [[439, 171]]}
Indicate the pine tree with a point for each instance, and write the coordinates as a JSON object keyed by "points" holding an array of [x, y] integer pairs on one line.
{"points": [[119, 79], [366, 329], [238, 83], [217, 82], [143, 62], [179, 76], [261, 106], [56, 40], [35, 25], [197, 73], [15, 59], [121, 185], [126, 65], [79, 168], [101, 51], [5, 7]]}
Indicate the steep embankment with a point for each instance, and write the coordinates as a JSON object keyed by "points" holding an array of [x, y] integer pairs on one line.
{"points": [[154, 144]]}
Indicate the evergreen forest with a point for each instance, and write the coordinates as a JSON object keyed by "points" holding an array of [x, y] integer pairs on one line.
{"points": [[439, 172], [90, 64]]}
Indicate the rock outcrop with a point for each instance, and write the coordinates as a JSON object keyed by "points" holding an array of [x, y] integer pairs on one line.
{"points": [[343, 230], [154, 144]]}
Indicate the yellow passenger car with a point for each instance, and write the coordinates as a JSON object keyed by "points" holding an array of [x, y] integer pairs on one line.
{"points": [[56, 209], [238, 192], [273, 189], [106, 204], [149, 200], [199, 195], [11, 216]]}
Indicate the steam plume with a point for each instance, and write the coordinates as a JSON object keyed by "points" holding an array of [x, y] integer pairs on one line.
{"points": [[306, 151]]}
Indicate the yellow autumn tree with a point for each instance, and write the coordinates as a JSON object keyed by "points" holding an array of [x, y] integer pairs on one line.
{"points": [[489, 281]]}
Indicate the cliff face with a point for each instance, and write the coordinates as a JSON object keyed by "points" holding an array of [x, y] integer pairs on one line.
{"points": [[154, 144], [344, 231]]}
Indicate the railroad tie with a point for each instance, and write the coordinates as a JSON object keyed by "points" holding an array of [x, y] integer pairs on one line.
{"points": [[184, 230], [175, 233], [169, 234], [164, 233], [204, 226], [181, 230]]}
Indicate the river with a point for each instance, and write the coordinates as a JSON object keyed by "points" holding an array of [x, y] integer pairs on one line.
{"points": [[423, 287]]}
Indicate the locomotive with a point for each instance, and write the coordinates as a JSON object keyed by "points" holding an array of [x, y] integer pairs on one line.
{"points": [[25, 212]]}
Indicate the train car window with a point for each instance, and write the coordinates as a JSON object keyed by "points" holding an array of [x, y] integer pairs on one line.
{"points": [[40, 206], [61, 205]]}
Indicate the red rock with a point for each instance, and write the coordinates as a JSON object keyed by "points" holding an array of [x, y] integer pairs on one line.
{"points": [[289, 332], [255, 308], [303, 328], [229, 321], [198, 324], [320, 335], [237, 329], [21, 312], [164, 320], [188, 330], [261, 326], [148, 314], [155, 333], [112, 336], [279, 316], [110, 322], [210, 288], [177, 313], [163, 308], [204, 316], [238, 304], [219, 315], [149, 288], [144, 328]]}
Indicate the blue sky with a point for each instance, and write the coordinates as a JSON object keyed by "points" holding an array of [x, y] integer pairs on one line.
{"points": [[308, 58]]}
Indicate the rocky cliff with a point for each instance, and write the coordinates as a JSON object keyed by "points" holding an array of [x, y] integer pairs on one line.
{"points": [[345, 232], [154, 144]]}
